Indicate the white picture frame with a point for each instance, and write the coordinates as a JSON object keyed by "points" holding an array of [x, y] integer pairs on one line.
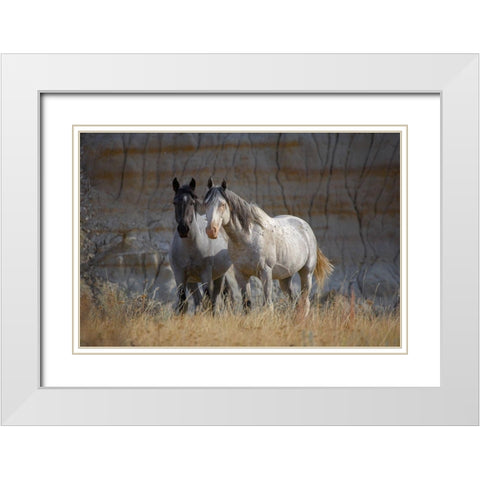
{"points": [[26, 77]]}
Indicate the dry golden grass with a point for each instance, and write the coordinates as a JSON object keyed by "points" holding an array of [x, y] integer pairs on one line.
{"points": [[115, 320]]}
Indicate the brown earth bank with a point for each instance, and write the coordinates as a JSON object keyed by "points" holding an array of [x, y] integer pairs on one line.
{"points": [[346, 185]]}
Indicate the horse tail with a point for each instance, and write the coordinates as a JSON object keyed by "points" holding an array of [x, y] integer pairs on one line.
{"points": [[323, 268]]}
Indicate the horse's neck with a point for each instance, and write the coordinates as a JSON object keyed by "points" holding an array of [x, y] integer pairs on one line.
{"points": [[236, 234], [195, 228]]}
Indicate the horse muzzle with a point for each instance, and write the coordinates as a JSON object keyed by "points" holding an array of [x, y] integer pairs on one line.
{"points": [[212, 232], [183, 230]]}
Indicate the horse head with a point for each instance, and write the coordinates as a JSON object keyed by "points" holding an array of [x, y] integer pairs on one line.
{"points": [[185, 202], [217, 209]]}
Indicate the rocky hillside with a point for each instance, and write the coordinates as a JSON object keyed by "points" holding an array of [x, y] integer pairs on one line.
{"points": [[346, 185]]}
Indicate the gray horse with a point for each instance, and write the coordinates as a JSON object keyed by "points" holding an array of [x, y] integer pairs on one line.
{"points": [[198, 263], [266, 247]]}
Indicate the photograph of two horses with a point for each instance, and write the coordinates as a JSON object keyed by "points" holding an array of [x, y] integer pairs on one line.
{"points": [[240, 239]]}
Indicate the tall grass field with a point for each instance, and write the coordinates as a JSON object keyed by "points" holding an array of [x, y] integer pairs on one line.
{"points": [[113, 319]]}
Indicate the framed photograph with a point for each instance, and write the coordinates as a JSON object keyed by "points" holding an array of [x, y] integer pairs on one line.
{"points": [[272, 240], [143, 234]]}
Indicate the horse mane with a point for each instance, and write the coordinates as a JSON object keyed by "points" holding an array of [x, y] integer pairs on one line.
{"points": [[242, 212]]}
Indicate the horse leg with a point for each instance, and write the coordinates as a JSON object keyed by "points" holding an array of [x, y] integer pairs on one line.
{"points": [[217, 289], [207, 283], [196, 293], [303, 305], [266, 278], [182, 304], [227, 293], [242, 282], [286, 284], [231, 291]]}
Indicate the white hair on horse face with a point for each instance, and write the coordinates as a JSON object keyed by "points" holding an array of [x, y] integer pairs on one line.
{"points": [[212, 194]]}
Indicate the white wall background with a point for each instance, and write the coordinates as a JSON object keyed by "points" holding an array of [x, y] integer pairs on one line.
{"points": [[229, 452]]}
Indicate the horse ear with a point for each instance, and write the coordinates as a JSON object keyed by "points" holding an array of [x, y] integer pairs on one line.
{"points": [[175, 185], [210, 183], [192, 184], [224, 184]]}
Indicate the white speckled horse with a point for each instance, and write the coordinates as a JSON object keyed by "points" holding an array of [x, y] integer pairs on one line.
{"points": [[266, 247], [194, 258]]}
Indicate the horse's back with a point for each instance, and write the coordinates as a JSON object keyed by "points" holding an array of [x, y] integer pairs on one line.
{"points": [[295, 226]]}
